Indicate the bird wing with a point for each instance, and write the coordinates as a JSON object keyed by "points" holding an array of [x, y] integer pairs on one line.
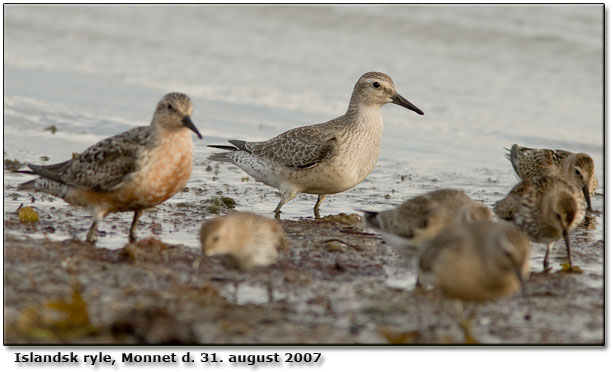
{"points": [[449, 241], [529, 162], [104, 166], [505, 208], [299, 148]]}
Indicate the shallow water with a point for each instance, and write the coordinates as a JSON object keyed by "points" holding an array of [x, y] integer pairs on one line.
{"points": [[485, 76]]}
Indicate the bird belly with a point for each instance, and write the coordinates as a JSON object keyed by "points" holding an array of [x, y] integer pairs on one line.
{"points": [[163, 172], [340, 173]]}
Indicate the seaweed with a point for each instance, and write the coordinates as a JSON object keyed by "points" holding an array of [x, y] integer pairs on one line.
{"points": [[13, 165], [58, 320]]}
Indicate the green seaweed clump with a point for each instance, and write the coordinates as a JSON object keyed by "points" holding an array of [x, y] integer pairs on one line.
{"points": [[51, 129], [343, 218], [62, 320], [13, 165], [220, 204], [27, 215], [566, 268]]}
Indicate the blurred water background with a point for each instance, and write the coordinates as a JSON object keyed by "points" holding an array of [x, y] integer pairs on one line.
{"points": [[485, 76]]}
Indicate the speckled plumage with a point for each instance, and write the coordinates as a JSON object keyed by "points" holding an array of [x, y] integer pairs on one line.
{"points": [[546, 208], [131, 171], [423, 216], [326, 158], [575, 168]]}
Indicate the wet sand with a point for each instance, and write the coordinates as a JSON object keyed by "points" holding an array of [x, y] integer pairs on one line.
{"points": [[339, 284]]}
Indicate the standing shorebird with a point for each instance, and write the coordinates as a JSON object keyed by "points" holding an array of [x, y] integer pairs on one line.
{"points": [[423, 216], [245, 240], [326, 158], [575, 168], [546, 208], [131, 171], [476, 262]]}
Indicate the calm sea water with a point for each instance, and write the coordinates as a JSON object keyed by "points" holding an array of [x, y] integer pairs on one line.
{"points": [[485, 76]]}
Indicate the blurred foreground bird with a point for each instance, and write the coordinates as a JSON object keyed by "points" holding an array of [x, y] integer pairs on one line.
{"points": [[411, 223], [246, 241], [476, 262]]}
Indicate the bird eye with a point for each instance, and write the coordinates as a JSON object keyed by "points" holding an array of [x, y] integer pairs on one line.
{"points": [[577, 172], [170, 107], [558, 216], [376, 84]]}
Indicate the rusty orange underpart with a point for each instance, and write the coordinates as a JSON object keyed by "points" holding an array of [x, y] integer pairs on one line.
{"points": [[162, 173]]}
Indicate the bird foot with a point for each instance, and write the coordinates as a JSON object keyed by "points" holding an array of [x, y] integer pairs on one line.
{"points": [[468, 337], [568, 268]]}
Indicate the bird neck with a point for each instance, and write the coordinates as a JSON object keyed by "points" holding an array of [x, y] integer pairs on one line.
{"points": [[361, 114]]}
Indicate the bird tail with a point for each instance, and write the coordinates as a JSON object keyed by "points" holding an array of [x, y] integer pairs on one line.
{"points": [[239, 145], [507, 154], [223, 147], [28, 186], [221, 156], [514, 156], [371, 218]]}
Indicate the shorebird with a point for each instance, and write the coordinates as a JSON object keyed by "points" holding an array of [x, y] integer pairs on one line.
{"points": [[546, 208], [131, 171], [575, 168], [476, 262], [422, 217], [326, 158], [246, 241]]}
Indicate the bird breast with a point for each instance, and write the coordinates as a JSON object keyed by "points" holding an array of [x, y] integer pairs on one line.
{"points": [[164, 170]]}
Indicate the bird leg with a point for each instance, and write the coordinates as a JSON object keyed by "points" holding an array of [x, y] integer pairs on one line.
{"points": [[567, 242], [269, 289], [235, 282], [546, 267], [465, 323], [320, 199], [93, 230], [285, 197], [196, 266], [132, 235]]}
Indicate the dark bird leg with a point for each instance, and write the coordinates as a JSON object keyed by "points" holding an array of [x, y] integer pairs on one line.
{"points": [[320, 199], [285, 198], [546, 267], [93, 230], [132, 235]]}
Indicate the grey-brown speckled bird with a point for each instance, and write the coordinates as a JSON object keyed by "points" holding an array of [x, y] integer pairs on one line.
{"points": [[575, 168], [131, 171], [476, 262], [422, 217], [326, 158], [546, 208]]}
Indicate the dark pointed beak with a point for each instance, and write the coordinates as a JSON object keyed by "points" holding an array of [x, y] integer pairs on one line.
{"points": [[400, 100], [524, 291], [586, 194], [567, 241], [187, 121]]}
